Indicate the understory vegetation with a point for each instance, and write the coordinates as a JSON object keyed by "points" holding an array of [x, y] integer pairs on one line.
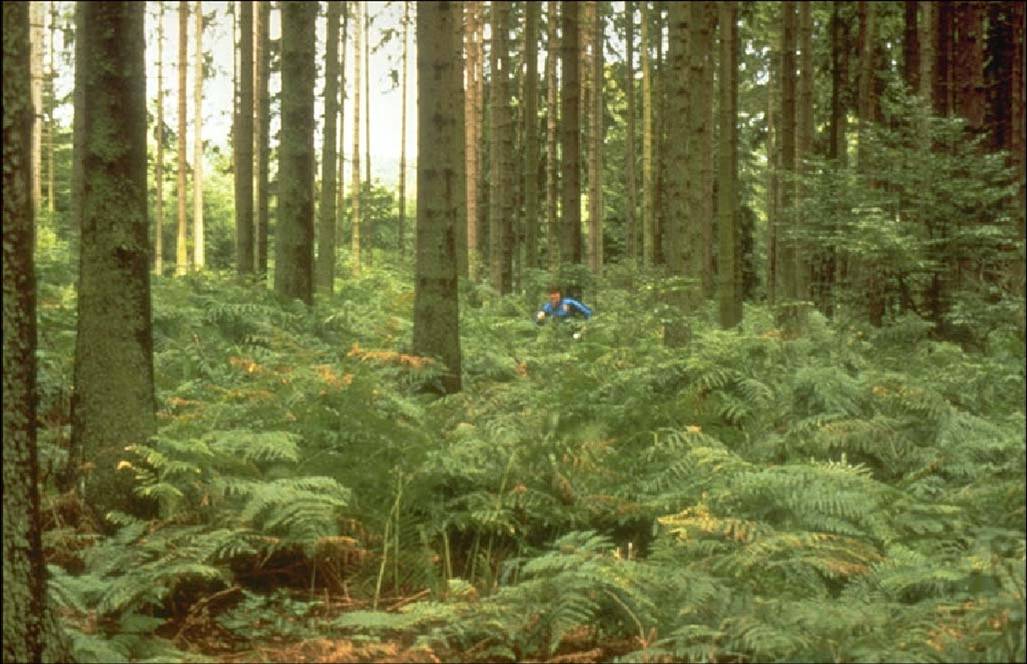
{"points": [[834, 492]]}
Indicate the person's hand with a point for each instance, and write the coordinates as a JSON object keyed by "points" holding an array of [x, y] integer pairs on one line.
{"points": [[577, 335], [540, 316], [565, 308]]}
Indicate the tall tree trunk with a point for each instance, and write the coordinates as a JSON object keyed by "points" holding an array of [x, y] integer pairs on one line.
{"points": [[1017, 131], [366, 27], [36, 64], [261, 134], [113, 403], [729, 275], [501, 209], [911, 46], [479, 122], [596, 135], [440, 186], [705, 149], [629, 158], [340, 191], [326, 211], [968, 70], [942, 84], [552, 113], [294, 233], [50, 104], [927, 27], [648, 211], [199, 260], [355, 195], [839, 83], [471, 137], [244, 140], [659, 137], [531, 225], [804, 146], [787, 247], [181, 248], [773, 147], [570, 128], [30, 633], [867, 106], [403, 138], [158, 207]]}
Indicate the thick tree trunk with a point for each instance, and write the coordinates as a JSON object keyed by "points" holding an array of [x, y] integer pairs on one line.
{"points": [[440, 187], [927, 26], [294, 233], [552, 113], [501, 208], [868, 114], [113, 404], [181, 248], [244, 243], [326, 212], [199, 259], [158, 207], [261, 134], [531, 225], [570, 132]]}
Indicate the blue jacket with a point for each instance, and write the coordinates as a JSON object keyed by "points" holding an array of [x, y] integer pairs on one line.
{"points": [[567, 308]]}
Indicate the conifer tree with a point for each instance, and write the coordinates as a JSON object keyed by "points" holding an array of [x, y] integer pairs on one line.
{"points": [[244, 142]]}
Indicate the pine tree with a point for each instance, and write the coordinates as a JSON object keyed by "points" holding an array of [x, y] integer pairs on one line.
{"points": [[326, 210], [181, 248], [472, 137], [244, 142], [158, 207], [531, 225], [199, 242], [501, 195], [355, 194], [570, 129], [629, 147], [552, 113], [729, 281], [261, 133]]}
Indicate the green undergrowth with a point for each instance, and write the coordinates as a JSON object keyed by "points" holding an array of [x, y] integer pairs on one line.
{"points": [[837, 492]]}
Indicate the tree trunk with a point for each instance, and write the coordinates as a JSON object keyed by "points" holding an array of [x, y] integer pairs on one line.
{"points": [[597, 135], [50, 104], [244, 140], [839, 83], [773, 147], [787, 252], [942, 84], [440, 186], [570, 127], [355, 195], [158, 207], [366, 27], [294, 234], [629, 157], [403, 139], [1017, 130], [501, 208], [340, 191], [648, 211], [471, 136], [867, 105], [261, 134], [30, 634], [709, 267], [729, 290], [531, 225], [927, 27], [36, 64], [181, 249], [326, 213], [659, 138], [911, 47], [199, 260], [806, 133], [113, 404], [552, 113], [968, 70]]}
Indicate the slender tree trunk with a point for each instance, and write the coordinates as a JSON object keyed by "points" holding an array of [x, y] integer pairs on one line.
{"points": [[50, 104], [709, 267], [787, 247], [113, 403], [838, 148], [942, 84], [244, 141], [261, 134], [968, 73], [648, 211], [471, 138], [340, 192], [403, 139], [804, 147], [927, 26], [870, 280], [773, 147], [181, 249], [911, 46], [597, 135], [1017, 130], [294, 233], [36, 64], [326, 211], [659, 138], [479, 122], [531, 225], [552, 113], [629, 158], [366, 27], [199, 260], [440, 186], [501, 208], [158, 208], [356, 194], [570, 128], [729, 276]]}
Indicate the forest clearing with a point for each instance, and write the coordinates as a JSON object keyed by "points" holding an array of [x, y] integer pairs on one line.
{"points": [[688, 332]]}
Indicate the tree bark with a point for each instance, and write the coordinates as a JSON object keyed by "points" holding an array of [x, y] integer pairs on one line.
{"points": [[629, 157], [294, 234], [501, 208], [570, 129], [199, 240], [340, 192], [182, 249], [911, 46], [244, 141], [804, 146], [531, 225], [787, 252], [158, 207], [552, 113], [597, 133], [471, 137], [113, 405], [729, 290], [440, 186], [261, 134], [942, 84], [326, 213], [355, 194], [648, 212], [403, 138], [705, 151], [50, 104], [968, 69], [36, 64]]}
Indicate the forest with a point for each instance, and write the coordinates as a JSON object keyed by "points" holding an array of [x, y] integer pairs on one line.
{"points": [[633, 331]]}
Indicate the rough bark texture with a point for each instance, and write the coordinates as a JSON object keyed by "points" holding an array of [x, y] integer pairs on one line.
{"points": [[355, 194], [113, 404], [244, 142], [440, 186], [531, 225], [326, 211], [261, 133], [941, 90], [199, 240], [570, 138], [158, 206], [705, 152], [471, 136], [181, 246], [294, 234], [552, 113], [729, 287], [927, 25], [501, 203]]}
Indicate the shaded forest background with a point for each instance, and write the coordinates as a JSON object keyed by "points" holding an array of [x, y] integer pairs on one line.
{"points": [[261, 406]]}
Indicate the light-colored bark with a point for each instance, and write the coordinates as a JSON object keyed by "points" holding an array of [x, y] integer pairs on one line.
{"points": [[355, 194], [552, 115], [403, 136], [629, 157], [158, 207], [570, 137], [326, 211], [471, 137], [261, 133], [531, 225], [36, 65], [648, 182], [181, 246], [199, 240]]}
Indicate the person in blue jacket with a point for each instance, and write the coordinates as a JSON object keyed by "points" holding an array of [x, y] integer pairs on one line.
{"points": [[561, 308]]}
